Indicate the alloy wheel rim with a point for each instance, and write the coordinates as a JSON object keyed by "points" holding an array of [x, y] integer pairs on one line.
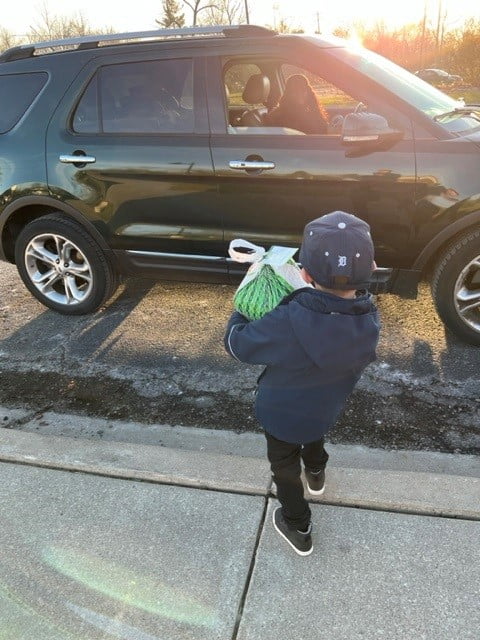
{"points": [[58, 269], [467, 294]]}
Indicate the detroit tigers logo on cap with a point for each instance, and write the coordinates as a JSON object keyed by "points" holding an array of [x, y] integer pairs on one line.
{"points": [[337, 251]]}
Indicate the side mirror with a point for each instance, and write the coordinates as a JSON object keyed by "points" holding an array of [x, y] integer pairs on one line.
{"points": [[368, 129]]}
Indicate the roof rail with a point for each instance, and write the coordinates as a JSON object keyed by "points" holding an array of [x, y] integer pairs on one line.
{"points": [[91, 42]]}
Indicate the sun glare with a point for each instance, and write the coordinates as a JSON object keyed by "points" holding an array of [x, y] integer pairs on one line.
{"points": [[354, 39]]}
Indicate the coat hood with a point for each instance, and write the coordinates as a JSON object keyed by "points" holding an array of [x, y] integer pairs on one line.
{"points": [[336, 334]]}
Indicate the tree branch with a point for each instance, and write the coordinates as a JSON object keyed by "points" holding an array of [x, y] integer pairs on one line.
{"points": [[207, 6]]}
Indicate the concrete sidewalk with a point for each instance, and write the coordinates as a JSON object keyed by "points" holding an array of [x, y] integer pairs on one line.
{"points": [[128, 540]]}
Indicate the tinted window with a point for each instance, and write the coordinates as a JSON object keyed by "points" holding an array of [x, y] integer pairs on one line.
{"points": [[17, 92], [86, 118], [144, 97]]}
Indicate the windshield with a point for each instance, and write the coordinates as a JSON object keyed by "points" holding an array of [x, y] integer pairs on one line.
{"points": [[408, 87]]}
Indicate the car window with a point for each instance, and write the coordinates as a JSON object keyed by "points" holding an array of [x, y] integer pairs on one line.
{"points": [[335, 102], [322, 115], [236, 77], [407, 86], [17, 92], [138, 97], [86, 116], [329, 94]]}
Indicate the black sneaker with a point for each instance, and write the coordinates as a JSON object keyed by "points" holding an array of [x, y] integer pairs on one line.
{"points": [[315, 482], [301, 542]]}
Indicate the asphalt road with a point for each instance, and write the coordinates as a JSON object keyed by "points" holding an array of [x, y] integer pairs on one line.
{"points": [[154, 353]]}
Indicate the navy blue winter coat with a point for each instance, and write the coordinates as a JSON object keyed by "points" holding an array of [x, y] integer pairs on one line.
{"points": [[315, 346]]}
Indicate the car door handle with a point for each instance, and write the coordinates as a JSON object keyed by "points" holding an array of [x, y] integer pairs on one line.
{"points": [[251, 165], [77, 159]]}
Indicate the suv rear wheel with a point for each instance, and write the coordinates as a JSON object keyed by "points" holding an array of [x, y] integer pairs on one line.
{"points": [[456, 286], [63, 266]]}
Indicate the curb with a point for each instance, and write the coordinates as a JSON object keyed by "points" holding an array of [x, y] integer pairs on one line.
{"points": [[433, 494]]}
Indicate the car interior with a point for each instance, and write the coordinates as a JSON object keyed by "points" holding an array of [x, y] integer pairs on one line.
{"points": [[254, 88]]}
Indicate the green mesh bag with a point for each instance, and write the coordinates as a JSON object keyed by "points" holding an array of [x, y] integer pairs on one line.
{"points": [[262, 294]]}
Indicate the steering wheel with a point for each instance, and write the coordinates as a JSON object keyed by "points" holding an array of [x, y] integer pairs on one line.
{"points": [[337, 121], [361, 107]]}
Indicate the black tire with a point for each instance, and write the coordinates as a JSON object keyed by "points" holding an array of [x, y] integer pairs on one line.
{"points": [[94, 280], [451, 269]]}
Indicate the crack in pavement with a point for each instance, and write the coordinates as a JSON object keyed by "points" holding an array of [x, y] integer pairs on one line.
{"points": [[395, 420]]}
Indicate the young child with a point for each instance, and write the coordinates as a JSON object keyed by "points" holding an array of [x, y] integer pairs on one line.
{"points": [[315, 345]]}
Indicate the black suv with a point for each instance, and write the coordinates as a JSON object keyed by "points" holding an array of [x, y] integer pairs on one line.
{"points": [[146, 153]]}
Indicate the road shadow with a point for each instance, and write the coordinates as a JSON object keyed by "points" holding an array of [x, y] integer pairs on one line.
{"points": [[422, 361], [456, 362], [459, 360], [47, 336], [95, 335]]}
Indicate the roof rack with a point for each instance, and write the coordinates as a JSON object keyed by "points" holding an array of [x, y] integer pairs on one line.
{"points": [[91, 42]]}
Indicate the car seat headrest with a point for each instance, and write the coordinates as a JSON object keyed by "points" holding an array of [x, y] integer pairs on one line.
{"points": [[257, 89]]}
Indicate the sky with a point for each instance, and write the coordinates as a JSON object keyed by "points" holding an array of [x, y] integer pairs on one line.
{"points": [[19, 15]]}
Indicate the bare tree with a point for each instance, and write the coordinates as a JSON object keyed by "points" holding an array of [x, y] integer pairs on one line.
{"points": [[424, 30], [56, 27], [440, 33], [285, 25], [197, 6], [341, 32], [172, 15], [7, 39], [225, 12], [426, 43], [460, 54]]}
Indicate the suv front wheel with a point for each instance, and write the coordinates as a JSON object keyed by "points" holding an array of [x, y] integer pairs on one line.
{"points": [[456, 286], [63, 266]]}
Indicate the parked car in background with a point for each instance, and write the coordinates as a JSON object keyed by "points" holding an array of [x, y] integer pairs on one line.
{"points": [[457, 79], [147, 153], [438, 76]]}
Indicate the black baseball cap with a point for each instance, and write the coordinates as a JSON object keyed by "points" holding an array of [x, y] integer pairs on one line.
{"points": [[337, 251]]}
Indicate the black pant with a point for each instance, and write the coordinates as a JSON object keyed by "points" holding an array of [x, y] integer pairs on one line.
{"points": [[284, 460]]}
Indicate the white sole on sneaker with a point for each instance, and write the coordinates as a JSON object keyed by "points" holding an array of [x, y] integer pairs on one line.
{"points": [[315, 493], [300, 553]]}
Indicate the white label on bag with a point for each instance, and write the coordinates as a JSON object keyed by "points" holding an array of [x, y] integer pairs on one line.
{"points": [[278, 256]]}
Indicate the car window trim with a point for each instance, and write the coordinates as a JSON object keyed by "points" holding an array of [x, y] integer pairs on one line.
{"points": [[178, 256]]}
